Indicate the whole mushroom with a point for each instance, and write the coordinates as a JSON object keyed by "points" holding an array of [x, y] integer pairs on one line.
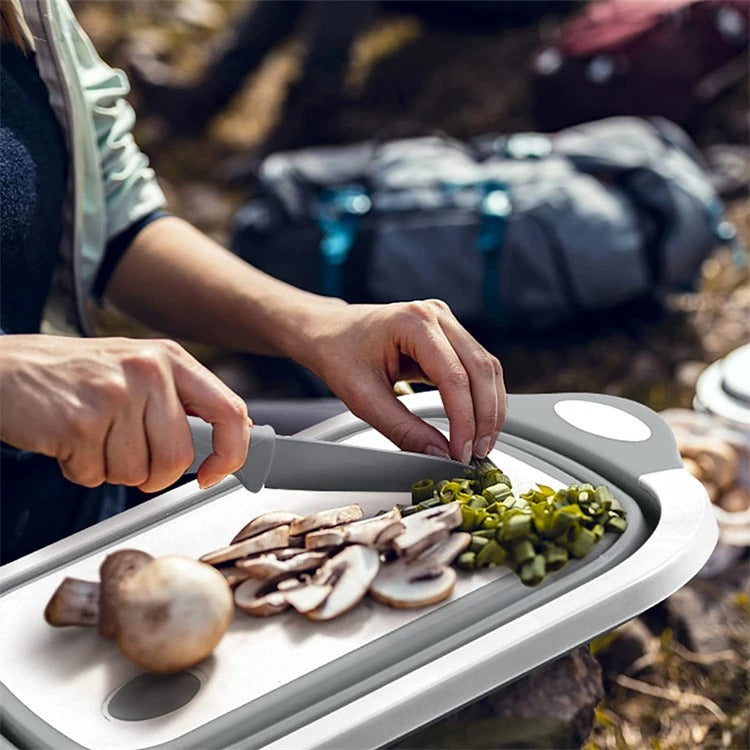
{"points": [[166, 613], [172, 613]]}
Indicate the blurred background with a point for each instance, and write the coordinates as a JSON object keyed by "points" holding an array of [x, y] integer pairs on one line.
{"points": [[220, 84]]}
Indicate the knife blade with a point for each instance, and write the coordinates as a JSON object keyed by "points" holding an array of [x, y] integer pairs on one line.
{"points": [[298, 464]]}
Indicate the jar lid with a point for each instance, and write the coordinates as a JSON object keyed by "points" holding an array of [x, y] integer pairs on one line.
{"points": [[724, 387]]}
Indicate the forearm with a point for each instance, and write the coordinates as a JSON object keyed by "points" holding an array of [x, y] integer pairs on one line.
{"points": [[175, 279], [178, 281]]}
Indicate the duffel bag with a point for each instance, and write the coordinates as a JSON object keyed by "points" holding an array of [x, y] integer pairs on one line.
{"points": [[523, 230]]}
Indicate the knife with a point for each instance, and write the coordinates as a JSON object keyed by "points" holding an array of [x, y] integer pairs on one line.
{"points": [[297, 464]]}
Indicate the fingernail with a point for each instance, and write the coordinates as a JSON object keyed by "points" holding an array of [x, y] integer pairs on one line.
{"points": [[205, 484], [433, 450], [482, 448], [466, 453]]}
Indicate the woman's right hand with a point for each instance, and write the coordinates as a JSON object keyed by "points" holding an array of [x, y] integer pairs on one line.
{"points": [[114, 409]]}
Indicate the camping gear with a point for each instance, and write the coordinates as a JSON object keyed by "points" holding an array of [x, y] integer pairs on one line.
{"points": [[723, 389], [376, 673], [520, 231], [651, 57]]}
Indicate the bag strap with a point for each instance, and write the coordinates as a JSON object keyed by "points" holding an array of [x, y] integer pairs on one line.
{"points": [[494, 209], [338, 212]]}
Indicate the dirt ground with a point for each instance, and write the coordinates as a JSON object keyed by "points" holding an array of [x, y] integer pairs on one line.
{"points": [[408, 78]]}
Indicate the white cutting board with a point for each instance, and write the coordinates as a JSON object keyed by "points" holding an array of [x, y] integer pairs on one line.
{"points": [[66, 676]]}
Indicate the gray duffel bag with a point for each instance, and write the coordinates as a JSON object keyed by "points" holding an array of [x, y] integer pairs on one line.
{"points": [[517, 231]]}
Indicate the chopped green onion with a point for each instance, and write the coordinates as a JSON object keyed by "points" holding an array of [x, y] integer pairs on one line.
{"points": [[616, 525], [515, 527], [533, 571], [477, 543], [533, 533], [555, 557], [466, 560], [583, 540], [491, 554], [523, 551], [422, 490]]}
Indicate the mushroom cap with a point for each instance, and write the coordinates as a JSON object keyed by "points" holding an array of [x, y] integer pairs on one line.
{"points": [[350, 572], [116, 567], [172, 613]]}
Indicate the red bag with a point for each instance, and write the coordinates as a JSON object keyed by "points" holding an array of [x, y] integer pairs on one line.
{"points": [[644, 57]]}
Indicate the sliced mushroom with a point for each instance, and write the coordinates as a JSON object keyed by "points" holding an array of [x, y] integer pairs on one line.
{"points": [[289, 552], [350, 572], [737, 500], [268, 540], [427, 579], [286, 584], [257, 598], [268, 567], [425, 528], [263, 523], [717, 459], [233, 575], [447, 550], [75, 602], [693, 468], [374, 532], [307, 597], [326, 518], [406, 586], [116, 568]]}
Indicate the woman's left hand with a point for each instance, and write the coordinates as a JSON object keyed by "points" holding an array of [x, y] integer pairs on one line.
{"points": [[362, 350]]}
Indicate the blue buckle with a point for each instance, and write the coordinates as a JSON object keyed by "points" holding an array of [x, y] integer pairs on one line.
{"points": [[726, 232], [338, 213]]}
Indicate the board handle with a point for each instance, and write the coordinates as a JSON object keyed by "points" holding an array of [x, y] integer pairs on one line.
{"points": [[259, 457], [618, 438]]}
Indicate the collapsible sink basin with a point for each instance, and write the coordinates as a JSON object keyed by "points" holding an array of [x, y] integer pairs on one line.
{"points": [[374, 674]]}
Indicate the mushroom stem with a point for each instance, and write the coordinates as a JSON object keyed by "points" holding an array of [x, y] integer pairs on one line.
{"points": [[75, 602]]}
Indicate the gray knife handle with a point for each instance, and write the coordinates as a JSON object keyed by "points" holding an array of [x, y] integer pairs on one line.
{"points": [[259, 457], [619, 438]]}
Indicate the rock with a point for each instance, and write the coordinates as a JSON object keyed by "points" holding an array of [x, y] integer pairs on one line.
{"points": [[553, 706], [624, 647], [695, 621]]}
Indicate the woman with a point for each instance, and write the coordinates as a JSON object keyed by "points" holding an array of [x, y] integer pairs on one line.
{"points": [[83, 222]]}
